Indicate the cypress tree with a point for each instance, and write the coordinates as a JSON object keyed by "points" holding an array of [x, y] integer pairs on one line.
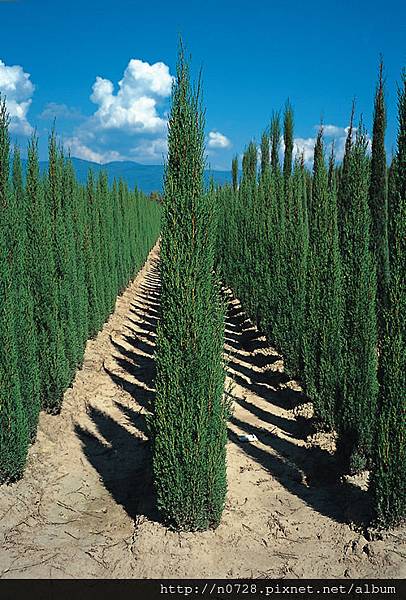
{"points": [[332, 179], [14, 431], [234, 171], [358, 410], [265, 166], [288, 140], [56, 199], [94, 273], [275, 142], [70, 279], [189, 426], [344, 188], [378, 200], [388, 481], [26, 334], [44, 286], [322, 342], [297, 240], [78, 209]]}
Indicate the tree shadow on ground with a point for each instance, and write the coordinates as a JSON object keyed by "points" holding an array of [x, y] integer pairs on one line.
{"points": [[311, 473], [124, 460]]}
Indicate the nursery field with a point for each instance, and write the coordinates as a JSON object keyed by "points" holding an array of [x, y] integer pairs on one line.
{"points": [[85, 507], [207, 383]]}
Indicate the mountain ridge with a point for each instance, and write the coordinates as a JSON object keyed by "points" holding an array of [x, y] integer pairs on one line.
{"points": [[148, 178]]}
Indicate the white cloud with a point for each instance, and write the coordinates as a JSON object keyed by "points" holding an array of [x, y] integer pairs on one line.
{"points": [[134, 107], [218, 140], [80, 150], [54, 110], [332, 130], [150, 150], [305, 146], [16, 86], [129, 122]]}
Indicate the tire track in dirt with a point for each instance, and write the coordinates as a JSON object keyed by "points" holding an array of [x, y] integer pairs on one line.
{"points": [[86, 507]]}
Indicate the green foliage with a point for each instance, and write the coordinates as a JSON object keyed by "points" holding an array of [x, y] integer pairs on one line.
{"points": [[378, 200], [288, 140], [297, 242], [14, 430], [189, 422], [54, 289], [265, 166], [322, 337], [389, 474], [234, 171], [26, 333], [360, 387]]}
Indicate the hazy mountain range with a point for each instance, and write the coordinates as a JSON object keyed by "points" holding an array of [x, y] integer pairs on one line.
{"points": [[148, 178]]}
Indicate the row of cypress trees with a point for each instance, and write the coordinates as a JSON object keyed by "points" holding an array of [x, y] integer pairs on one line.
{"points": [[319, 261], [66, 251]]}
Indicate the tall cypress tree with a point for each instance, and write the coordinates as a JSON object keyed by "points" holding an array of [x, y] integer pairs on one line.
{"points": [[14, 431], [234, 172], [288, 141], [44, 286], [76, 204], [322, 353], [297, 248], [275, 142], [378, 200], [389, 475], [360, 387], [27, 346], [189, 424], [265, 166], [55, 200]]}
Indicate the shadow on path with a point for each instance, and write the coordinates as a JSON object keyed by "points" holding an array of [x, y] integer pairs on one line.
{"points": [[124, 460], [309, 472]]}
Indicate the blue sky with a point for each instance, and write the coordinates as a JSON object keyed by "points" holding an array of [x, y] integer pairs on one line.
{"points": [[65, 59]]}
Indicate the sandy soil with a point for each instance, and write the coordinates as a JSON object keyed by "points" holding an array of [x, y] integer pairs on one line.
{"points": [[85, 507]]}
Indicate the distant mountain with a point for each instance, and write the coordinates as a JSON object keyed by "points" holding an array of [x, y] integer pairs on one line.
{"points": [[148, 178]]}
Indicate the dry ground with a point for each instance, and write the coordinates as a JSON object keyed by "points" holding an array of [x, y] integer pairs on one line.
{"points": [[85, 507]]}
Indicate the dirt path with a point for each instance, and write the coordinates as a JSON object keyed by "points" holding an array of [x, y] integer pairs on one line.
{"points": [[85, 507]]}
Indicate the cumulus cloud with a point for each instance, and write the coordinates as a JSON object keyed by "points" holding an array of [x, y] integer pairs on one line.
{"points": [[130, 119], [134, 106], [332, 130], [218, 140], [79, 149], [54, 110], [304, 146], [150, 150], [16, 86]]}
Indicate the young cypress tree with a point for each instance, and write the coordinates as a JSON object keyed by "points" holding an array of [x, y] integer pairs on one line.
{"points": [[344, 188], [93, 269], [288, 140], [388, 481], [14, 431], [76, 206], [265, 166], [189, 425], [322, 347], [234, 172], [378, 200], [44, 286], [360, 387], [26, 334], [275, 142], [56, 199], [297, 239], [72, 264]]}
